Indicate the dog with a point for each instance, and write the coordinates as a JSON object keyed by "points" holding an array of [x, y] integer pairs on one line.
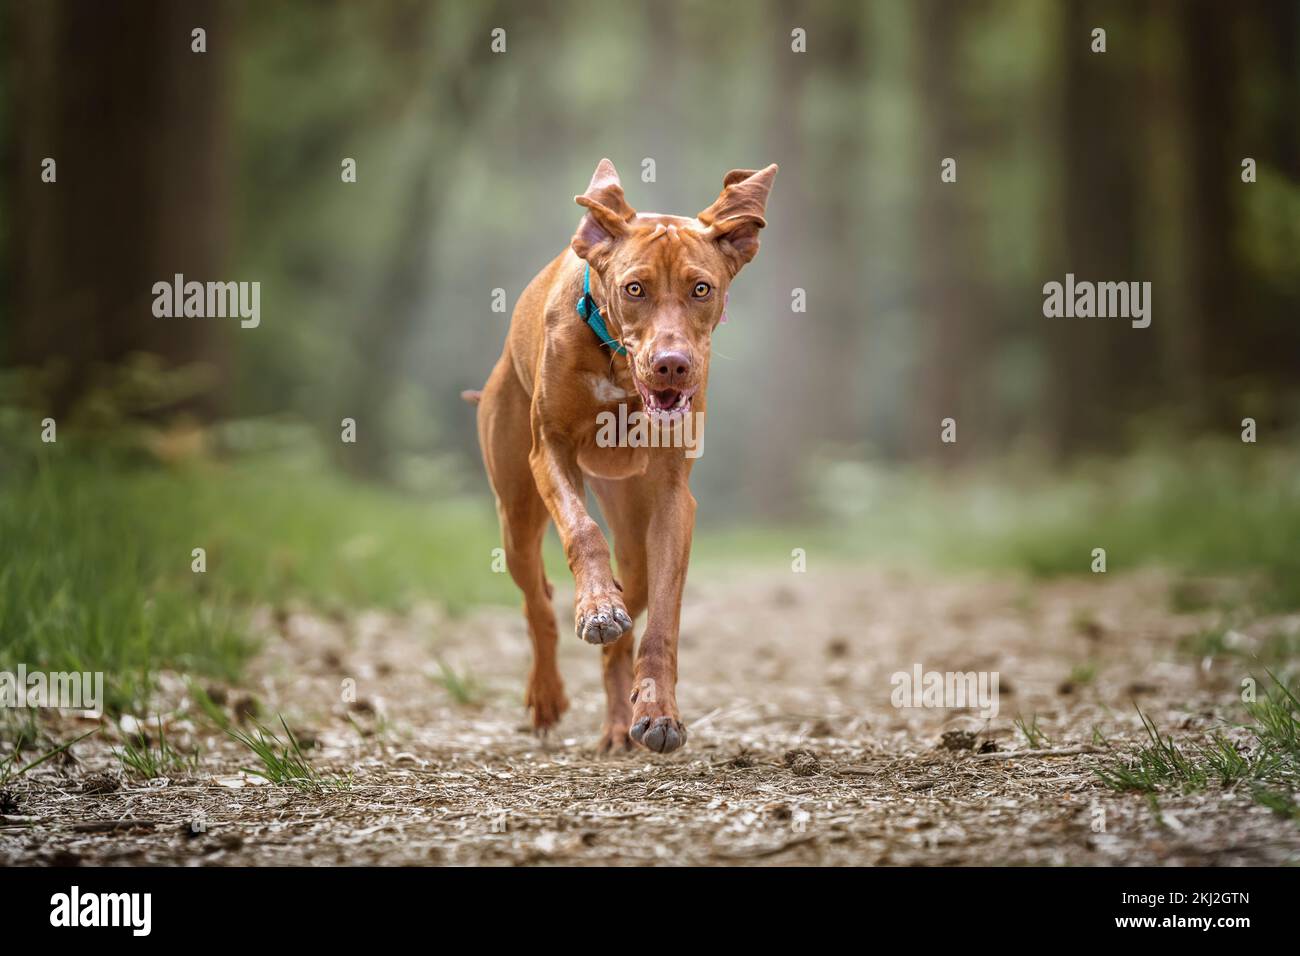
{"points": [[625, 315]]}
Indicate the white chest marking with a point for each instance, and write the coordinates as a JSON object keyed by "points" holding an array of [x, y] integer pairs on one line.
{"points": [[604, 389]]}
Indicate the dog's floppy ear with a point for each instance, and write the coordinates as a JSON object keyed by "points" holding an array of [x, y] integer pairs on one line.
{"points": [[736, 215], [608, 214]]}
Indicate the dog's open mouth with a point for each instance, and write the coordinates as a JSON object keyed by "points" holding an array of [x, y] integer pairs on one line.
{"points": [[665, 403]]}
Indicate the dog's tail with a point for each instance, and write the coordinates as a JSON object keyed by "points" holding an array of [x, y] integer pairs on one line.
{"points": [[472, 395]]}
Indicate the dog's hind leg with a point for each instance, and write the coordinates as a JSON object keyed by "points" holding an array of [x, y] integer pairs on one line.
{"points": [[506, 438]]}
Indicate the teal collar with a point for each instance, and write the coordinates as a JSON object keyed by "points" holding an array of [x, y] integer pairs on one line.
{"points": [[587, 309]]}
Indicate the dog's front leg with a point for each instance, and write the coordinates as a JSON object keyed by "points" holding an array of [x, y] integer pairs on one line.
{"points": [[600, 616], [656, 723]]}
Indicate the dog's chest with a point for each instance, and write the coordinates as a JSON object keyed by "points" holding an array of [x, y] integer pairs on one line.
{"points": [[602, 462], [609, 451]]}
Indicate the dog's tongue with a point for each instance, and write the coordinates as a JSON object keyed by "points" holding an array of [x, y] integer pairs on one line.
{"points": [[666, 398]]}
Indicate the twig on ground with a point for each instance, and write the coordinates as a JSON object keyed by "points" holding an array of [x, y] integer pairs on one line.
{"points": [[1053, 752]]}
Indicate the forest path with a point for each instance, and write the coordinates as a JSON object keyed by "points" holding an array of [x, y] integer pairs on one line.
{"points": [[796, 753]]}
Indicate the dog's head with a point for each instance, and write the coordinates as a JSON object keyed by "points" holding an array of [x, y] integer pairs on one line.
{"points": [[665, 278]]}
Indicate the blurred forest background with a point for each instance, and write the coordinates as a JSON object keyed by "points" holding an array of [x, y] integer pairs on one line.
{"points": [[924, 299]]}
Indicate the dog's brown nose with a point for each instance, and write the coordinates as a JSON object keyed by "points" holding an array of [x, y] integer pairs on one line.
{"points": [[671, 369]]}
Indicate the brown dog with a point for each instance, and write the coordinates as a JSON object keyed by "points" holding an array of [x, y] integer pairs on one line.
{"points": [[659, 285]]}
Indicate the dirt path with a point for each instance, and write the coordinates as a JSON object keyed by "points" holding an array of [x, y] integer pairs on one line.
{"points": [[796, 754]]}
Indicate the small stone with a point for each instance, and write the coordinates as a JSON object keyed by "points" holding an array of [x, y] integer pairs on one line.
{"points": [[743, 760], [100, 783], [802, 763], [957, 740]]}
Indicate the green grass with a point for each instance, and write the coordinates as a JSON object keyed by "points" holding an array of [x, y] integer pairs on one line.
{"points": [[1279, 801], [283, 761], [1034, 736], [1269, 766], [11, 770], [1161, 763], [1082, 674], [20, 730], [1207, 507], [103, 539], [1275, 649], [1277, 717], [145, 761], [105, 580], [464, 689]]}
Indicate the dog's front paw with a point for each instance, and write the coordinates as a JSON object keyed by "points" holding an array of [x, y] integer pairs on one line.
{"points": [[661, 734], [655, 722], [601, 618]]}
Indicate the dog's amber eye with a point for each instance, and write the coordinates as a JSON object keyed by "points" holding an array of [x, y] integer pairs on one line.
{"points": [[702, 289], [634, 290]]}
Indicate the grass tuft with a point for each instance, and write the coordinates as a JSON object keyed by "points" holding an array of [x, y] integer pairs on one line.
{"points": [[1162, 762], [1271, 766], [142, 760], [463, 688], [7, 764], [1033, 734], [283, 761]]}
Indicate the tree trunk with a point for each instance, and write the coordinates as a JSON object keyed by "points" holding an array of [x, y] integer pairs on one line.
{"points": [[945, 310], [136, 124], [1098, 196]]}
